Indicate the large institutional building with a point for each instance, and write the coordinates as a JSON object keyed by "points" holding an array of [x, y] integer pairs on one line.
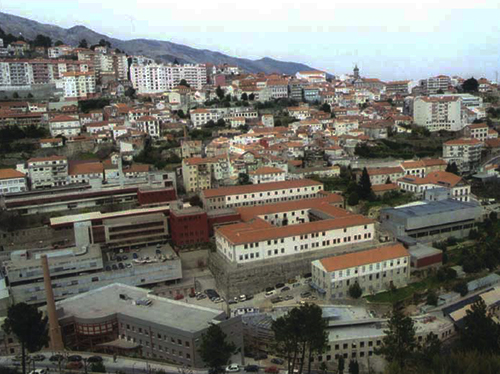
{"points": [[438, 113], [291, 228]]}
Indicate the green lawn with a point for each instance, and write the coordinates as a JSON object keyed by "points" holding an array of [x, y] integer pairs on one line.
{"points": [[404, 293]]}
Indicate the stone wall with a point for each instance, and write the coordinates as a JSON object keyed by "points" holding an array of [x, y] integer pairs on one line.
{"points": [[236, 279]]}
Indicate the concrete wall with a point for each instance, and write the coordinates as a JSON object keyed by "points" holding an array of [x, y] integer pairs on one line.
{"points": [[236, 279], [190, 259]]}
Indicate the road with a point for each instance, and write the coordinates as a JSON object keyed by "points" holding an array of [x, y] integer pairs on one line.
{"points": [[123, 364]]}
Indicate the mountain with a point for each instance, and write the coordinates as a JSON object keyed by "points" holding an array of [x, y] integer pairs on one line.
{"points": [[157, 49]]}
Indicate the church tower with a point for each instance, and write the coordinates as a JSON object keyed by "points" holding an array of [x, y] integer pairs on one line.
{"points": [[356, 72]]}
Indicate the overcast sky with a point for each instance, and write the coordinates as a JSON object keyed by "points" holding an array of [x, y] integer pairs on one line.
{"points": [[394, 39]]}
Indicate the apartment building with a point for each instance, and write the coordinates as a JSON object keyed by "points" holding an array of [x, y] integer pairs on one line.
{"points": [[381, 175], [278, 88], [374, 270], [79, 85], [12, 181], [291, 229], [458, 189], [158, 78], [421, 168], [438, 113], [465, 152], [85, 172], [47, 172], [150, 326], [397, 88], [258, 194], [64, 125], [201, 116], [189, 225], [149, 125], [200, 173], [59, 51], [267, 174], [26, 72], [191, 148], [479, 131], [434, 85]]}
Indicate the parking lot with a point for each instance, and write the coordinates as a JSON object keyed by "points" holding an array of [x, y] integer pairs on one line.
{"points": [[137, 257]]}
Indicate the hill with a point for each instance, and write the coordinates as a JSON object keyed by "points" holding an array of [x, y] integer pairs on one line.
{"points": [[157, 49]]}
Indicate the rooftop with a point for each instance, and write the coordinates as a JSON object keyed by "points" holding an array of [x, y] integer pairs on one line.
{"points": [[107, 301], [253, 188]]}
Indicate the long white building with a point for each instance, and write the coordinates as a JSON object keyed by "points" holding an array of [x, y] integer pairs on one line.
{"points": [[158, 78]]}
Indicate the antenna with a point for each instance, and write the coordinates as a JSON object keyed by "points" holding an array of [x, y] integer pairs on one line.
{"points": [[496, 76]]}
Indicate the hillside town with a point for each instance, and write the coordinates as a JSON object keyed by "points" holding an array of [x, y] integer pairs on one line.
{"points": [[144, 203]]}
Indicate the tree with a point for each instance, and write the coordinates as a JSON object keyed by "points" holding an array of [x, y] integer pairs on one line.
{"points": [[104, 43], [130, 92], [399, 343], [219, 92], [353, 199], [214, 349], [365, 186], [479, 331], [97, 367], [326, 108], [388, 180], [180, 114], [452, 168], [299, 335], [355, 291], [430, 348], [15, 95], [244, 96], [353, 367], [83, 44], [243, 179], [176, 62], [29, 326], [184, 83], [195, 201], [470, 85], [58, 43], [341, 365], [221, 122], [30, 96], [251, 97], [42, 41], [432, 298]]}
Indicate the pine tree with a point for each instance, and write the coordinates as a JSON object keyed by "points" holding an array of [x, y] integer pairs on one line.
{"points": [[215, 350], [399, 343], [365, 186], [479, 331]]}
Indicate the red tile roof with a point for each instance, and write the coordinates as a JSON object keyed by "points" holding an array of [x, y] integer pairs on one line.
{"points": [[10, 173], [252, 188], [361, 258]]}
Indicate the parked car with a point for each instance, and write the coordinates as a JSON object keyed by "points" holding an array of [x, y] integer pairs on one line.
{"points": [[242, 298], [121, 266], [305, 294], [251, 368], [233, 368], [269, 293], [232, 302], [39, 371], [179, 296], [298, 284], [201, 296], [135, 256], [74, 365], [118, 258], [261, 356], [280, 285], [94, 359], [269, 289], [219, 300], [56, 358], [276, 300], [249, 297], [75, 358], [284, 289], [272, 370], [114, 267], [38, 357], [288, 297], [277, 361]]}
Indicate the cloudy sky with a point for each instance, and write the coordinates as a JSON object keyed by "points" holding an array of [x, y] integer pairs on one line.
{"points": [[392, 39]]}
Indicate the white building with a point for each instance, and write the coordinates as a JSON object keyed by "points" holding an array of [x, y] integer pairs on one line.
{"points": [[64, 125], [158, 78], [289, 229], [374, 270], [465, 152], [434, 84], [458, 188], [150, 125], [79, 85], [267, 174], [312, 76], [438, 113], [201, 116], [259, 194], [59, 51], [46, 172], [12, 181]]}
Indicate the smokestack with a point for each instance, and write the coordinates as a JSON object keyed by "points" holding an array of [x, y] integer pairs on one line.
{"points": [[56, 343]]}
